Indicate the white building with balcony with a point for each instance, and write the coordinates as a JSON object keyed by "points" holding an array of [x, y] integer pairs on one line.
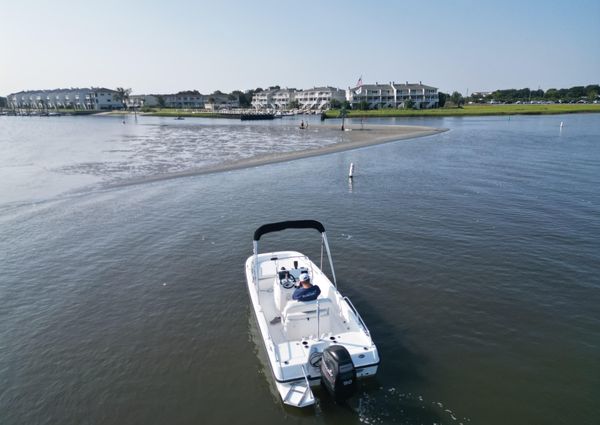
{"points": [[393, 95], [281, 99], [73, 98], [262, 100], [273, 99], [319, 98]]}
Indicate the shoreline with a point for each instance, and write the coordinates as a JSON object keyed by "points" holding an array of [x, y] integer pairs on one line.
{"points": [[465, 111], [357, 138], [476, 110], [472, 111]]}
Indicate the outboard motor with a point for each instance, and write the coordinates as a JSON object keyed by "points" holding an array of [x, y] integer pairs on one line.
{"points": [[338, 374]]}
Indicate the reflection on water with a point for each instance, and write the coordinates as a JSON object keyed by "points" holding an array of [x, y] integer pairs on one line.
{"points": [[43, 158]]}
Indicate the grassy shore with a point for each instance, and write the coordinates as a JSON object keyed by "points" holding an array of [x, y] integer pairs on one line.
{"points": [[472, 110]]}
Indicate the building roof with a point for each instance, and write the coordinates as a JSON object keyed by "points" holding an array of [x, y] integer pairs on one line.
{"points": [[61, 90], [328, 88], [412, 86], [186, 93]]}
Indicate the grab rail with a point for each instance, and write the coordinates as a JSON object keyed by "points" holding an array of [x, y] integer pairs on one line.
{"points": [[305, 377], [362, 323]]}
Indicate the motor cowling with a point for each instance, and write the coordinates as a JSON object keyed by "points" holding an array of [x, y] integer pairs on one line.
{"points": [[338, 374]]}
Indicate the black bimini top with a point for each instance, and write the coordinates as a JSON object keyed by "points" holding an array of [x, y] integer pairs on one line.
{"points": [[282, 225]]}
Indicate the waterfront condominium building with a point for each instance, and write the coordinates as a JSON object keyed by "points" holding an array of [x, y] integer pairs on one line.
{"points": [[273, 99], [393, 95], [184, 99], [262, 99], [281, 99], [319, 98], [94, 98], [143, 100], [216, 102]]}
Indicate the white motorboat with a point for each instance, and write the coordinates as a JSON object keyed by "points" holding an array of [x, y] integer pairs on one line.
{"points": [[307, 342]]}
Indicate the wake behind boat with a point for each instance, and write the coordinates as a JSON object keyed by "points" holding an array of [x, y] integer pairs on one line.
{"points": [[307, 342]]}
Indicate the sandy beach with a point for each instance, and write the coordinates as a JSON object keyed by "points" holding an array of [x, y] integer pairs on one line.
{"points": [[353, 137]]}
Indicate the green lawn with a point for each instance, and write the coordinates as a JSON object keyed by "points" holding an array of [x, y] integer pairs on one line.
{"points": [[473, 110]]}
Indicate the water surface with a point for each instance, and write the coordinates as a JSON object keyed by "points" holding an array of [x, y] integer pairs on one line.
{"points": [[472, 256]]}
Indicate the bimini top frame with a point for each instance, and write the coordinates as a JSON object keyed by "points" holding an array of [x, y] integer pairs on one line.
{"points": [[294, 224]]}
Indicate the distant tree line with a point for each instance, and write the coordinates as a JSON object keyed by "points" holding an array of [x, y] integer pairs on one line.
{"points": [[3, 102], [587, 93]]}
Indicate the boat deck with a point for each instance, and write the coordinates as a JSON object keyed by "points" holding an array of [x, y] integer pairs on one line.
{"points": [[298, 333]]}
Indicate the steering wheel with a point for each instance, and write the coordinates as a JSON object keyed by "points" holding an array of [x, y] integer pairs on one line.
{"points": [[289, 281]]}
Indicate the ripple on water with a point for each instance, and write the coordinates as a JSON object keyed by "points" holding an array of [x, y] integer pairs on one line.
{"points": [[390, 405]]}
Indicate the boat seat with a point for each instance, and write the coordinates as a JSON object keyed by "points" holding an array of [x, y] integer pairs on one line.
{"points": [[299, 317], [307, 308]]}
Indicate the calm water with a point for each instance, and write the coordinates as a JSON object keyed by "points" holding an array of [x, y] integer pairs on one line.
{"points": [[472, 255]]}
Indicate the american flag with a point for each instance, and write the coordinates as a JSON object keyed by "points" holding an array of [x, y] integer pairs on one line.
{"points": [[359, 82]]}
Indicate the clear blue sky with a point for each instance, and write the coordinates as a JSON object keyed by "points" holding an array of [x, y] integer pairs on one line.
{"points": [[167, 46]]}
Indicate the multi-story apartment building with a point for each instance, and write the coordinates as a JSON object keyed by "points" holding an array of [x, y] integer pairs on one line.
{"points": [[76, 98], [215, 102], [315, 98], [393, 95], [184, 99], [273, 99], [143, 100], [281, 99], [319, 97], [263, 99]]}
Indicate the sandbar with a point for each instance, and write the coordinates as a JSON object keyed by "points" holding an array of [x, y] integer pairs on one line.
{"points": [[353, 137]]}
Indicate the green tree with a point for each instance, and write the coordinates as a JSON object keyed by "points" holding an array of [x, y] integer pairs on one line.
{"points": [[562, 94], [161, 101], [335, 104], [294, 104], [122, 95], [363, 105], [592, 91], [576, 93], [242, 98], [457, 98], [3, 102], [551, 95], [537, 94], [409, 103], [442, 99], [246, 100]]}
